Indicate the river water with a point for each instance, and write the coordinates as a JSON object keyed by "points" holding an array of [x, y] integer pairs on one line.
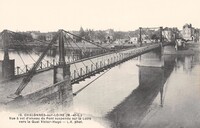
{"points": [[129, 96], [132, 96]]}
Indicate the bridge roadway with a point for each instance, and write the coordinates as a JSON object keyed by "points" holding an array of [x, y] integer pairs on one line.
{"points": [[81, 69], [99, 63]]}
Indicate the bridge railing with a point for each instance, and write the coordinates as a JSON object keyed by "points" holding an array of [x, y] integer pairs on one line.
{"points": [[125, 53], [19, 70], [90, 69]]}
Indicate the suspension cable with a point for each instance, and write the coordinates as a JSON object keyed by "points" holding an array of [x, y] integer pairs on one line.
{"points": [[165, 37], [74, 50], [79, 48], [32, 51], [25, 48], [146, 35], [32, 71], [115, 51], [75, 65], [90, 83], [21, 58], [87, 40]]}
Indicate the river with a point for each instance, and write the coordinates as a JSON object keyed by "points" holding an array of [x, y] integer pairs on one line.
{"points": [[129, 96], [132, 96]]}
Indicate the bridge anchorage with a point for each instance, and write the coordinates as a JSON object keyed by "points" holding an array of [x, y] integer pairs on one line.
{"points": [[66, 73]]}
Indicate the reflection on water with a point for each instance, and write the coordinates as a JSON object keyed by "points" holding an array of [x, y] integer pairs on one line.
{"points": [[133, 109], [187, 62], [131, 112]]}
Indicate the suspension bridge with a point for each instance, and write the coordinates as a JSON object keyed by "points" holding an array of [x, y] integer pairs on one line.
{"points": [[65, 72]]}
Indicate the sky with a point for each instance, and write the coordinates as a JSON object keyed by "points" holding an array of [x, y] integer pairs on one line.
{"points": [[120, 15]]}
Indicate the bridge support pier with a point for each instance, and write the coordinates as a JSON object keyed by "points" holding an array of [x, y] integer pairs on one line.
{"points": [[169, 50], [7, 69], [61, 77], [152, 59], [63, 81]]}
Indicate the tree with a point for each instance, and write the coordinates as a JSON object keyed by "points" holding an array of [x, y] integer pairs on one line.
{"points": [[81, 32], [119, 35], [154, 37], [101, 35], [42, 37]]}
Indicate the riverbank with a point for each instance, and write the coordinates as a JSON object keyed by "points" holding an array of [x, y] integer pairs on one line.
{"points": [[190, 49]]}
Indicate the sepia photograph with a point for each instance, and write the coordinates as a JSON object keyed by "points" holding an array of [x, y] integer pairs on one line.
{"points": [[99, 64]]}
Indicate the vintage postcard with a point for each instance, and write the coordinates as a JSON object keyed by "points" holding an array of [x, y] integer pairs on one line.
{"points": [[99, 64]]}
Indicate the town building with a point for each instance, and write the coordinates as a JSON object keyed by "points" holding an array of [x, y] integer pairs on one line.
{"points": [[197, 35], [188, 32], [109, 35], [168, 34], [133, 40], [49, 36]]}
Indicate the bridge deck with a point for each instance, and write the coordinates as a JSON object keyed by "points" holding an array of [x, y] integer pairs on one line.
{"points": [[94, 64], [80, 70], [101, 63]]}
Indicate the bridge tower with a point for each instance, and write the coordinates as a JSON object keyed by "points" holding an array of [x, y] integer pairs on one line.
{"points": [[7, 66], [60, 93], [161, 39], [62, 76]]}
